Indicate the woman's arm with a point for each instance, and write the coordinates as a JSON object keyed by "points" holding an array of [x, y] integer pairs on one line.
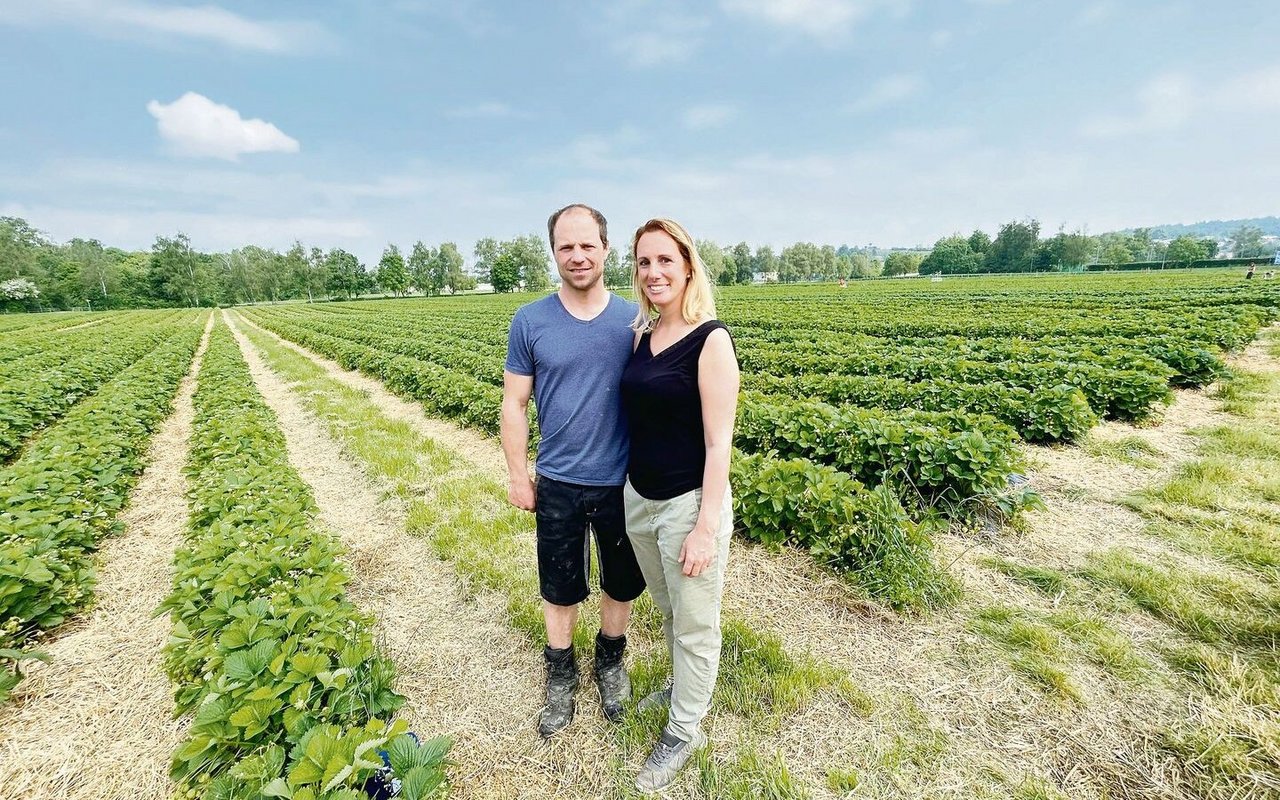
{"points": [[718, 388]]}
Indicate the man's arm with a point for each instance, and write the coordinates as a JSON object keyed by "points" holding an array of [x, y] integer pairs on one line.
{"points": [[516, 391]]}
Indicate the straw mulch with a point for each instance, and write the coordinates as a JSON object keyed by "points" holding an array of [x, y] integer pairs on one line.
{"points": [[96, 721]]}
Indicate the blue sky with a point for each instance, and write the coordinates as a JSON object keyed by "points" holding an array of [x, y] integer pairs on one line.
{"points": [[894, 122]]}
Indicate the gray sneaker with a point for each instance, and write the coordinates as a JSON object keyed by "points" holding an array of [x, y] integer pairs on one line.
{"points": [[666, 759], [658, 699]]}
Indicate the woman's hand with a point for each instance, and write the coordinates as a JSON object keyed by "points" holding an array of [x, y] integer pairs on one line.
{"points": [[698, 551]]}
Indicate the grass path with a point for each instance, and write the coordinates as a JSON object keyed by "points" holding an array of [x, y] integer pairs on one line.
{"points": [[95, 722]]}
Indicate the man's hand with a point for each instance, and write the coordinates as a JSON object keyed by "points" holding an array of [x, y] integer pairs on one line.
{"points": [[521, 494], [697, 552]]}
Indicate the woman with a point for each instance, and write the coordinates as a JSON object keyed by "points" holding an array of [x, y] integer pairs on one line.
{"points": [[680, 392]]}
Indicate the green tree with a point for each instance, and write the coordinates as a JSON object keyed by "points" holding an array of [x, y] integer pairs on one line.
{"points": [[317, 273], [485, 252], [1014, 248], [1246, 242], [176, 274], [1184, 250], [19, 244], [902, 262], [450, 262], [1141, 246], [616, 276], [419, 266], [1065, 251], [951, 255], [1116, 253], [744, 263], [712, 258], [862, 266], [979, 242], [393, 276], [765, 262], [343, 272], [95, 271], [504, 271], [801, 261], [531, 254]]}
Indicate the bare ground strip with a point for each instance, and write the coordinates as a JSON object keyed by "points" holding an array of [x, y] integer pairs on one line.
{"points": [[96, 722]]}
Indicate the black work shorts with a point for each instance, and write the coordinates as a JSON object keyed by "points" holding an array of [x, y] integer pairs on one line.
{"points": [[564, 512]]}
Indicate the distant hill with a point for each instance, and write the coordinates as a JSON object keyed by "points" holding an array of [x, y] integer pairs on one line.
{"points": [[1217, 228]]}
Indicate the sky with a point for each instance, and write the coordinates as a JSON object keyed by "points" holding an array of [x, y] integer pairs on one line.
{"points": [[887, 122]]}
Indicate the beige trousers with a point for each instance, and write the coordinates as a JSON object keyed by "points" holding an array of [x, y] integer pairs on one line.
{"points": [[690, 606]]}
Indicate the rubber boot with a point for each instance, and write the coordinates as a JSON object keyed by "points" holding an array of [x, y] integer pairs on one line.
{"points": [[611, 675], [562, 682]]}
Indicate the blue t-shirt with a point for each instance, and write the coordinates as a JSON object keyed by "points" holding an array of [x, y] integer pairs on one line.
{"points": [[577, 368]]}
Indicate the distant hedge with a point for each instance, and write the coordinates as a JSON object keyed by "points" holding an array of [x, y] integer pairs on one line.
{"points": [[1204, 263]]}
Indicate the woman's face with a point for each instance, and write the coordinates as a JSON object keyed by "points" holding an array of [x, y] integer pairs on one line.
{"points": [[663, 272]]}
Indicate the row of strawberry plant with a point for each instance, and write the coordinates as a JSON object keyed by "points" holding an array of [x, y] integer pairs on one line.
{"points": [[65, 493], [862, 533], [953, 460], [32, 402], [1192, 363], [1055, 414], [1229, 328], [441, 390], [479, 361], [1113, 390], [289, 695], [35, 349]]}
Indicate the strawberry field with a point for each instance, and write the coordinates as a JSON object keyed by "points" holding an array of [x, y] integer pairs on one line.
{"points": [[883, 431]]}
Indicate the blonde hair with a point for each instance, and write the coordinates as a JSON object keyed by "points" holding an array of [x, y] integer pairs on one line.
{"points": [[698, 304]]}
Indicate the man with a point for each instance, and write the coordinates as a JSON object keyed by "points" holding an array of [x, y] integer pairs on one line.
{"points": [[568, 351]]}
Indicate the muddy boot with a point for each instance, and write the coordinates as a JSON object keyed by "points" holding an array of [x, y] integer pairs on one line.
{"points": [[562, 682], [611, 675]]}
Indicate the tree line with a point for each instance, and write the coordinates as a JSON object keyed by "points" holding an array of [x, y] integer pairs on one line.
{"points": [[1019, 248], [36, 273]]}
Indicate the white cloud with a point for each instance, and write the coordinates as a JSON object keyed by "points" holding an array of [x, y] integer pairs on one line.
{"points": [[703, 117], [159, 24], [1096, 13], [196, 126], [1172, 101], [1258, 90], [651, 33], [486, 110], [826, 20], [886, 92], [1164, 104]]}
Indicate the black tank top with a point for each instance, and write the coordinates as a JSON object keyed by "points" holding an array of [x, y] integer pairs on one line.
{"points": [[664, 414]]}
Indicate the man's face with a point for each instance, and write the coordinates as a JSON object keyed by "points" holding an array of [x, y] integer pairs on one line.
{"points": [[578, 250]]}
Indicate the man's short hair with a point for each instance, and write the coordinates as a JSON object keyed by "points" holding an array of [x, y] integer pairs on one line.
{"points": [[596, 215]]}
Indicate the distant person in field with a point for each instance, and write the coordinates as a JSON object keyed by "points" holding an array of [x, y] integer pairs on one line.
{"points": [[1248, 274], [680, 394], [568, 351]]}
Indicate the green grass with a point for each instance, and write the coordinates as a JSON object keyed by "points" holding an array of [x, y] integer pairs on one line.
{"points": [[842, 780], [1131, 449], [1101, 644], [1225, 506], [1035, 650], [748, 776], [466, 518], [1045, 580], [1242, 392]]}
